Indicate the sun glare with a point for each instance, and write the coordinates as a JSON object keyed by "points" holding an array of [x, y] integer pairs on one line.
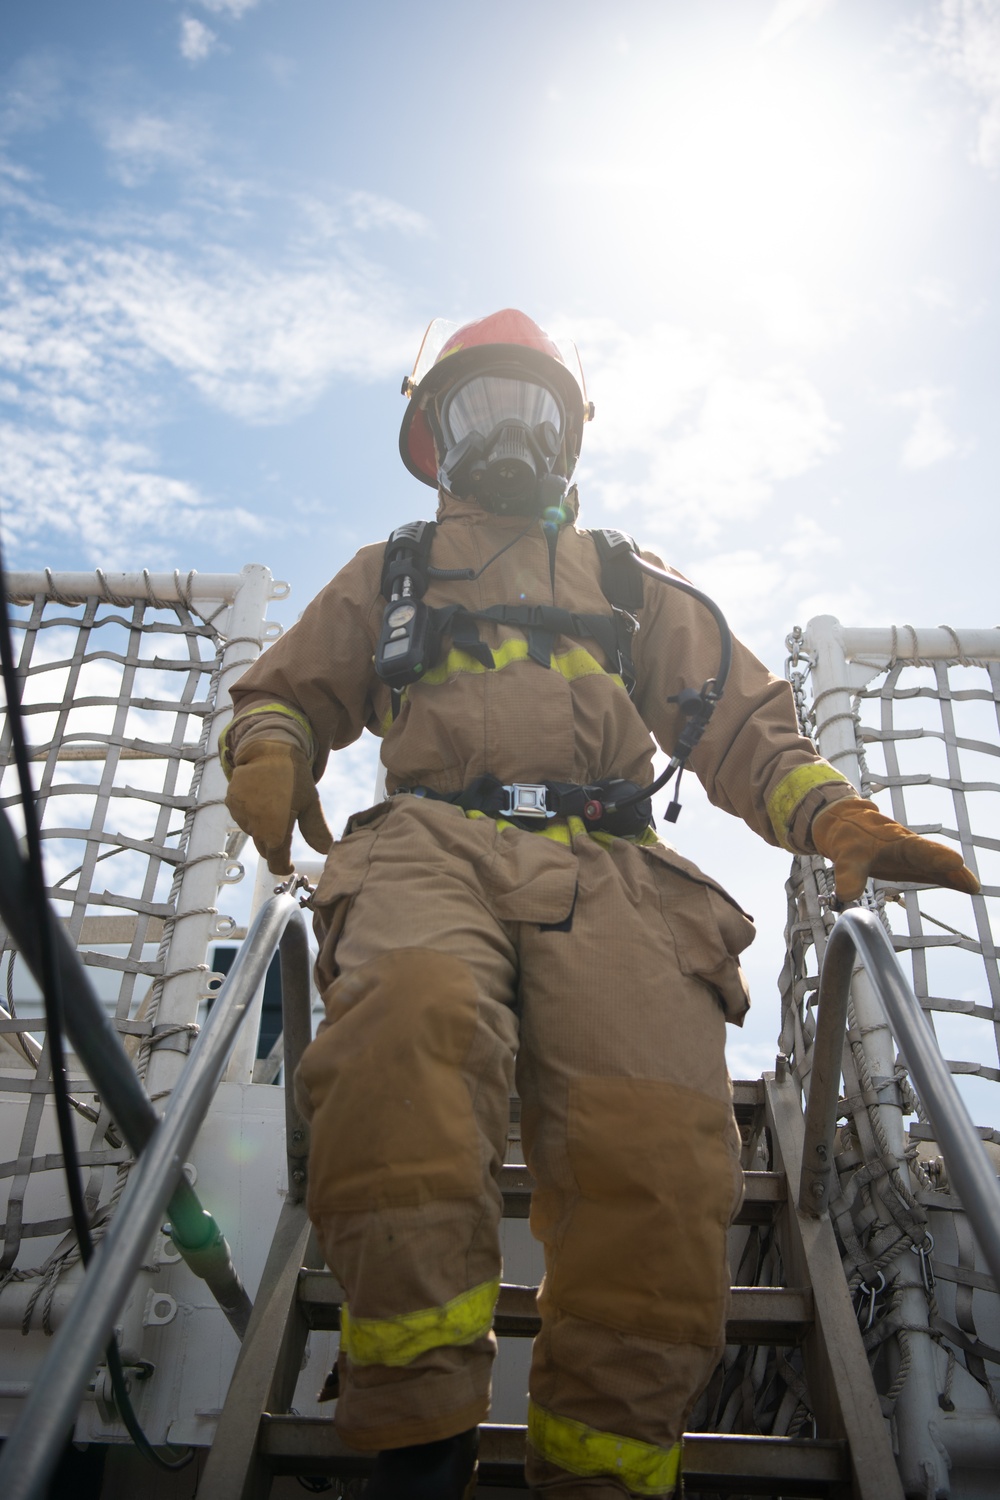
{"points": [[768, 177], [767, 167]]}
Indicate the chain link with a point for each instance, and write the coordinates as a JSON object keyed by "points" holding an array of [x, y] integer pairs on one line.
{"points": [[797, 674]]}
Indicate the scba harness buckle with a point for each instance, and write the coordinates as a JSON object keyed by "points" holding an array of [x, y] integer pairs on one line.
{"points": [[526, 799]]}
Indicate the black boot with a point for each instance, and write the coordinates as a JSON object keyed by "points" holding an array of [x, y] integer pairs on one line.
{"points": [[444, 1470]]}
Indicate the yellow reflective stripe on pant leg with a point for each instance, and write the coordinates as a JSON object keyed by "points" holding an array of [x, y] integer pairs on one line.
{"points": [[790, 791], [642, 1467], [398, 1341]]}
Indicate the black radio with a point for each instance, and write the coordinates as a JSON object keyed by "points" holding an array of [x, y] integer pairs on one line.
{"points": [[407, 645]]}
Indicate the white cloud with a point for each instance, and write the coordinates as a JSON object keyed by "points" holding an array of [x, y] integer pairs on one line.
{"points": [[771, 581], [234, 9], [94, 342], [145, 142], [197, 39], [799, 314], [930, 439], [372, 211], [103, 491], [749, 580], [15, 172], [788, 13], [683, 431], [281, 68], [937, 293], [32, 94], [750, 433], [966, 44], [643, 381], [65, 355], [87, 332], [360, 212], [258, 342]]}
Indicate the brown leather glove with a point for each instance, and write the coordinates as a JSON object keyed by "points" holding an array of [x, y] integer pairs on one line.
{"points": [[860, 841], [272, 786]]}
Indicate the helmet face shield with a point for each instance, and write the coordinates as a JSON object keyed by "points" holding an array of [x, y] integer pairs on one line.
{"points": [[496, 389], [498, 438]]}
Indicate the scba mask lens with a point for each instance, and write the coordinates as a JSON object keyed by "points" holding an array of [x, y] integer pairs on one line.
{"points": [[488, 401], [500, 437]]}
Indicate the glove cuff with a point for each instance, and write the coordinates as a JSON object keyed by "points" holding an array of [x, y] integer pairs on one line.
{"points": [[271, 721]]}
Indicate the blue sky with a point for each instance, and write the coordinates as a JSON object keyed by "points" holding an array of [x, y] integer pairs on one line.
{"points": [[770, 225]]}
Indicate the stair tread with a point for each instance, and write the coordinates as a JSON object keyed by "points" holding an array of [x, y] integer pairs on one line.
{"points": [[748, 1096], [763, 1193], [291, 1444], [757, 1314]]}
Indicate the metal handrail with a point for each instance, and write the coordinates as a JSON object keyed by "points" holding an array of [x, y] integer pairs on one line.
{"points": [[858, 932], [32, 1451]]}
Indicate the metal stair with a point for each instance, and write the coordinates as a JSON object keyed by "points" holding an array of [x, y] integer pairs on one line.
{"points": [[258, 1438]]}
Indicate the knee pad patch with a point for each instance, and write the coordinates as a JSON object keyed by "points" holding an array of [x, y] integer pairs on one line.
{"points": [[643, 1249], [392, 1121]]}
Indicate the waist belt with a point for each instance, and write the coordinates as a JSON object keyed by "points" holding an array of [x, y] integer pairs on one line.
{"points": [[529, 803]]}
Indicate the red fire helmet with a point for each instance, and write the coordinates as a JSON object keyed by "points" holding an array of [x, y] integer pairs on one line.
{"points": [[509, 339]]}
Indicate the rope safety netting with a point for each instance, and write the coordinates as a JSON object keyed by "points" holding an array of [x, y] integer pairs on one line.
{"points": [[924, 734], [122, 691], [927, 742]]}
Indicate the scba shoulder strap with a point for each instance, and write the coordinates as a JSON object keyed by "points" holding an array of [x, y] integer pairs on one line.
{"points": [[412, 632], [408, 554], [621, 580]]}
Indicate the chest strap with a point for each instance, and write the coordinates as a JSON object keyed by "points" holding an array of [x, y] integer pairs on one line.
{"points": [[405, 573], [541, 623]]}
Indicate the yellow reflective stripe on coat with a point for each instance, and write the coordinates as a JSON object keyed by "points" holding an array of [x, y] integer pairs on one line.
{"points": [[641, 1467], [569, 664], [789, 792], [399, 1340], [263, 708]]}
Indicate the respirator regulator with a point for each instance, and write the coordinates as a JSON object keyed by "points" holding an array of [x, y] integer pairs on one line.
{"points": [[500, 438]]}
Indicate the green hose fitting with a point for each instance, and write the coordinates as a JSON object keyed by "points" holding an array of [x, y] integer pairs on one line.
{"points": [[202, 1244]]}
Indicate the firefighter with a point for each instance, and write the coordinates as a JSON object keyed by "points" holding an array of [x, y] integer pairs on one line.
{"points": [[491, 923]]}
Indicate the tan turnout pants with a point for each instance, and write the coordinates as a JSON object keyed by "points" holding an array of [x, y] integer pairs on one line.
{"points": [[451, 946]]}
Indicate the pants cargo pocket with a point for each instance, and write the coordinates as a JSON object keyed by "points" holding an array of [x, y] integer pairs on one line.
{"points": [[344, 874], [709, 932]]}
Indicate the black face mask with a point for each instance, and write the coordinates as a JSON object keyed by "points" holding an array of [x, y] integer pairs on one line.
{"points": [[502, 438]]}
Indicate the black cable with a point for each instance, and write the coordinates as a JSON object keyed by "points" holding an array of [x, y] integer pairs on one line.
{"points": [[697, 706], [51, 988], [469, 575], [54, 1016], [127, 1413], [725, 634]]}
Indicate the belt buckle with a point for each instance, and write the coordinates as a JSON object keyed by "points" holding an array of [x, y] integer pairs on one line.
{"points": [[526, 799]]}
